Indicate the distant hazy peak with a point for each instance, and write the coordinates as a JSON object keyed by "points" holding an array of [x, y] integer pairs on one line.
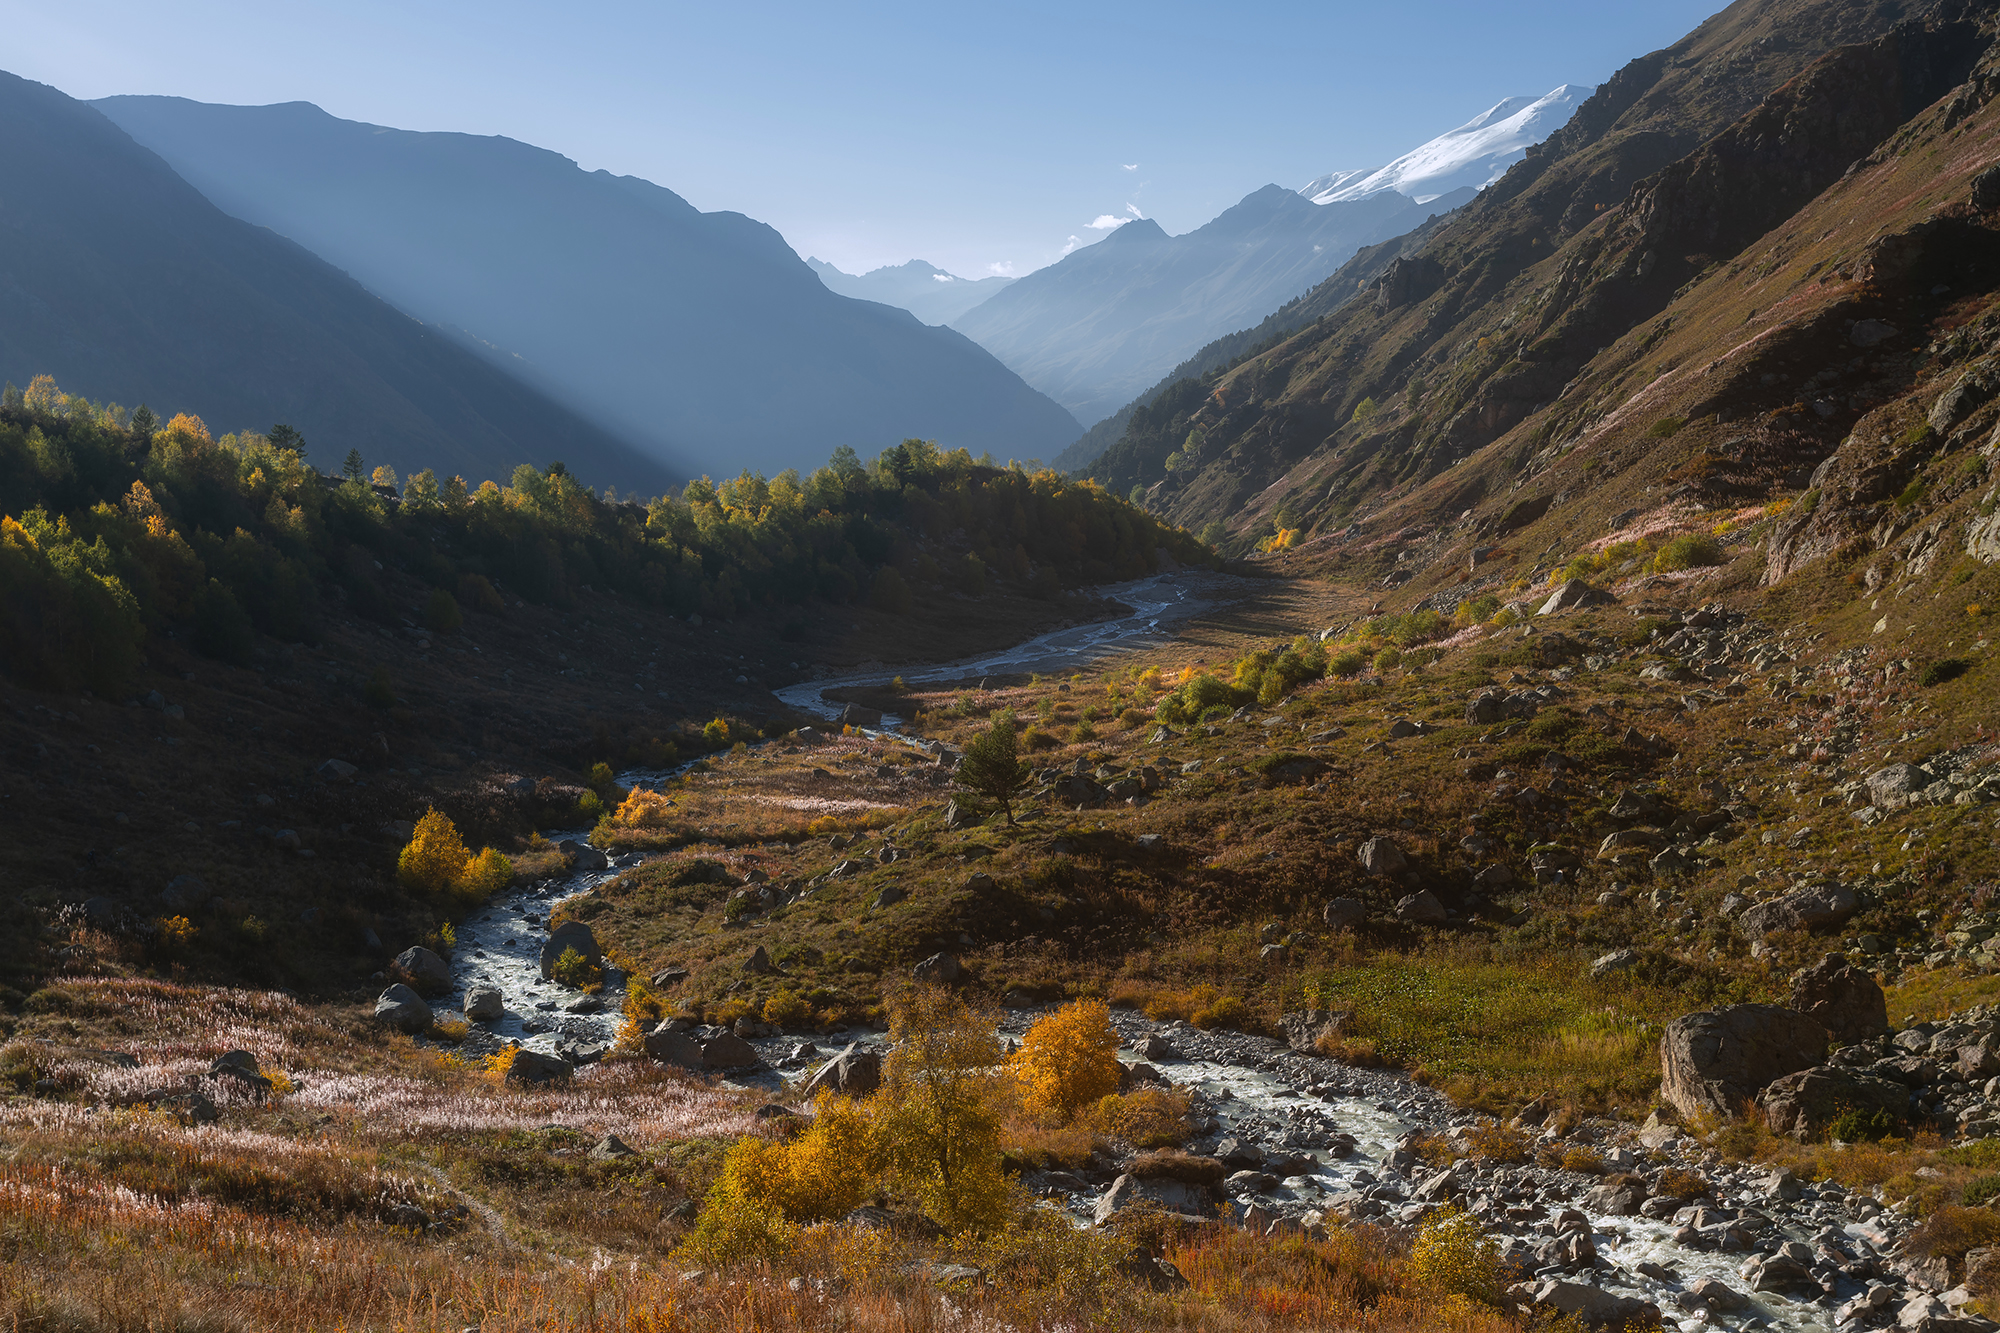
{"points": [[917, 268], [1475, 154]]}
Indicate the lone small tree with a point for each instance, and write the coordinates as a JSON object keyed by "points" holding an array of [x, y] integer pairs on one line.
{"points": [[353, 467], [991, 768]]}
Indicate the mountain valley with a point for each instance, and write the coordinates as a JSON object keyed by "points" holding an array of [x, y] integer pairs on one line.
{"points": [[1468, 799]]}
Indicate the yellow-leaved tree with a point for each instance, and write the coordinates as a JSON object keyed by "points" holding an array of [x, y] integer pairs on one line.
{"points": [[436, 860], [937, 1108], [435, 856], [767, 1190], [1067, 1061]]}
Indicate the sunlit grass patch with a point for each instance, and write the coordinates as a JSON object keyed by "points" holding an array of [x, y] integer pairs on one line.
{"points": [[1495, 1033]]}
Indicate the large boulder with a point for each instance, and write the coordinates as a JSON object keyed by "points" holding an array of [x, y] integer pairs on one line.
{"points": [[670, 1044], [1594, 1307], [1345, 913], [1816, 908], [424, 970], [1713, 1061], [1896, 786], [1574, 595], [1803, 1104], [852, 1073], [1176, 1196], [939, 968], [533, 1069], [1845, 1000], [582, 857], [1422, 908], [726, 1050], [1304, 1027], [569, 935], [401, 1007], [483, 1004], [1380, 856]]}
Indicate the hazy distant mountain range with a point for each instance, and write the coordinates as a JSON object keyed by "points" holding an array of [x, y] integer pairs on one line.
{"points": [[925, 290], [699, 336], [119, 279], [1099, 327], [1096, 328]]}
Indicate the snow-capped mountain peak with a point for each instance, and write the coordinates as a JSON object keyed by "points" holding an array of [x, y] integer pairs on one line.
{"points": [[1475, 154]]}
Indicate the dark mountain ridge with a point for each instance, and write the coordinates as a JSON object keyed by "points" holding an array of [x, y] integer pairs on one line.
{"points": [[701, 336], [124, 283]]}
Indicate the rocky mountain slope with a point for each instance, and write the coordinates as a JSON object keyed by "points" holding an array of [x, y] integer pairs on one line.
{"points": [[173, 303], [1485, 325], [700, 336]]}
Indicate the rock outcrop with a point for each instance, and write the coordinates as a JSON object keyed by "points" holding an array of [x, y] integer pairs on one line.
{"points": [[1714, 1061], [1842, 998]]}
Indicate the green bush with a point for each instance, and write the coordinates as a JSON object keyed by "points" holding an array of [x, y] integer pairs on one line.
{"points": [[573, 970], [1982, 1190], [1853, 1126], [1388, 660], [441, 613], [379, 692], [1346, 662], [1666, 427], [1690, 550], [1944, 669]]}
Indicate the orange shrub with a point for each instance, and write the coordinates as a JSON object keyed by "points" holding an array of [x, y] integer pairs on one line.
{"points": [[1067, 1060]]}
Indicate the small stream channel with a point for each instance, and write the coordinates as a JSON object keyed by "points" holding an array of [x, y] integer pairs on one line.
{"points": [[1292, 1107]]}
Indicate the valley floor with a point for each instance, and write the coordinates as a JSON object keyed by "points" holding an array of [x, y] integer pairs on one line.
{"points": [[1507, 858]]}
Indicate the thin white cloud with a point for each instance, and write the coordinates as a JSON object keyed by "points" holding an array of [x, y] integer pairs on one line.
{"points": [[1003, 269], [946, 277], [1129, 166], [1133, 209], [1073, 243], [1106, 221]]}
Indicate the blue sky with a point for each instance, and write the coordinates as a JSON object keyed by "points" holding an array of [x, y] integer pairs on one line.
{"points": [[980, 138]]}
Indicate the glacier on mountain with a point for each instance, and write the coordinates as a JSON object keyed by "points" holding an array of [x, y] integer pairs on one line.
{"points": [[1475, 154]]}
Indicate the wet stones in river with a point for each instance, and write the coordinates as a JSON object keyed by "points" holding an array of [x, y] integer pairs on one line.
{"points": [[1594, 1307], [581, 856], [569, 935], [581, 1050], [483, 1004], [853, 1073], [424, 970], [1846, 1000], [1714, 1060], [402, 1008], [1157, 1047]]}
